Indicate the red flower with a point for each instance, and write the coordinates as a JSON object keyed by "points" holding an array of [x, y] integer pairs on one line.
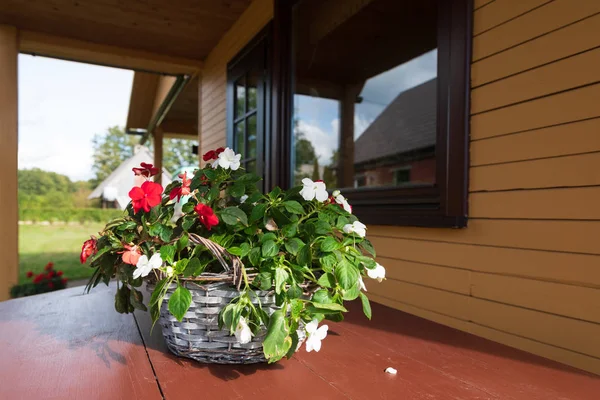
{"points": [[182, 190], [59, 273], [51, 285], [146, 170], [213, 154], [89, 248], [49, 266], [64, 281], [131, 255], [146, 197], [38, 278], [207, 215], [29, 274]]}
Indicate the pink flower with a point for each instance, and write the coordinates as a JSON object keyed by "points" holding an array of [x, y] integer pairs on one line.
{"points": [[182, 190], [131, 255]]}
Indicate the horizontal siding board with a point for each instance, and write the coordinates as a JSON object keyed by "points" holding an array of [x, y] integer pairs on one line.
{"points": [[576, 170], [575, 269], [562, 75], [566, 300], [549, 17], [501, 11], [480, 3], [571, 334], [572, 39], [532, 346], [570, 106], [573, 138], [450, 279], [571, 203], [566, 236]]}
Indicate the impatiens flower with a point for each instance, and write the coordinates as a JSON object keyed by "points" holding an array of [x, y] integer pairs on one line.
{"points": [[144, 266], [342, 201], [29, 274], [213, 154], [182, 190], [145, 169], [131, 255], [243, 334], [207, 215], [377, 273], [243, 198], [169, 271], [146, 197], [361, 284], [49, 266], [89, 248], [229, 160], [50, 285], [38, 278], [312, 190], [314, 335], [59, 273], [356, 227], [64, 281]]}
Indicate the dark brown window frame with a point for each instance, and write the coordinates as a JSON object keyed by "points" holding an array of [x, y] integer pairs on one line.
{"points": [[442, 205]]}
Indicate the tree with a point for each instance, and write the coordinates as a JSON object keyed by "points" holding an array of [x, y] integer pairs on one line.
{"points": [[315, 172], [177, 153], [110, 150]]}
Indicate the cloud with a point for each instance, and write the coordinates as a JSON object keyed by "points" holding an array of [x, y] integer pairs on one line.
{"points": [[325, 142]]}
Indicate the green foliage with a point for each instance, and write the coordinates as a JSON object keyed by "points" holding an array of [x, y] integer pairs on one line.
{"points": [[68, 214], [44, 189], [293, 247]]}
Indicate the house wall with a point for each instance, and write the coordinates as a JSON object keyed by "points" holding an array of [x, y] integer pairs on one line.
{"points": [[526, 271], [212, 103]]}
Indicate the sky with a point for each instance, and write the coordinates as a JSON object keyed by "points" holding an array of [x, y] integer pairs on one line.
{"points": [[318, 118], [62, 104]]}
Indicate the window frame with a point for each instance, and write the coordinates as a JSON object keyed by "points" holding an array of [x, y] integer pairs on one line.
{"points": [[442, 205]]}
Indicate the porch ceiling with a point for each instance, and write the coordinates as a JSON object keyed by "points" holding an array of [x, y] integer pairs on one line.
{"points": [[179, 28]]}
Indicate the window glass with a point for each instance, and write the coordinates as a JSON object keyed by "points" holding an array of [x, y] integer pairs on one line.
{"points": [[365, 92]]}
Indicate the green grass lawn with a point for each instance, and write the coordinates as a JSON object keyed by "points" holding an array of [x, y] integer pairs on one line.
{"points": [[61, 244]]}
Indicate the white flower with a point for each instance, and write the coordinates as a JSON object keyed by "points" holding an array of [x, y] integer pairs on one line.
{"points": [[315, 335], [144, 266], [312, 190], [377, 273], [361, 283], [228, 159], [243, 198], [340, 199], [356, 227], [169, 271], [243, 334]]}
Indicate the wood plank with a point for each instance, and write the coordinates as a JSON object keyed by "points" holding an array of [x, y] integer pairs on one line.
{"points": [[582, 138], [570, 334], [572, 39], [480, 3], [574, 105], [484, 364], [70, 49], [576, 170], [568, 236], [549, 17], [65, 345], [567, 300], [9, 268], [501, 11], [575, 269], [450, 279], [572, 203], [559, 76], [143, 93]]}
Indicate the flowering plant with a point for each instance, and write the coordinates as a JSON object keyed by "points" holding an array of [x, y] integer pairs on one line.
{"points": [[47, 281], [302, 244]]}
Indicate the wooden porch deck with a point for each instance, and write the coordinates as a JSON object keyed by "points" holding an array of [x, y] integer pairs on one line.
{"points": [[65, 345]]}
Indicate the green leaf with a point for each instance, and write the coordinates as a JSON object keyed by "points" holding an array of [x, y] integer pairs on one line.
{"points": [[346, 274], [274, 194], [166, 233], [322, 227], [330, 307], [122, 300], [368, 247], [290, 230], [281, 276], [254, 256], [341, 222], [180, 302], [330, 244], [328, 262], [351, 293], [258, 212], [367, 261], [365, 305], [181, 265], [245, 249], [136, 298], [187, 207], [294, 292], [304, 256], [237, 189], [263, 280], [326, 280], [183, 242], [188, 222], [268, 236], [293, 207], [157, 293], [321, 296], [269, 249], [277, 341], [236, 251], [293, 245], [167, 253], [233, 216], [210, 174], [297, 307], [295, 340]]}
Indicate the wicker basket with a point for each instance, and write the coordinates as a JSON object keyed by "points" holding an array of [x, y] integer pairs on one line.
{"points": [[198, 335]]}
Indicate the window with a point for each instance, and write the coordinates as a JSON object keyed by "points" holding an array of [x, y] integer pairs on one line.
{"points": [[374, 101]]}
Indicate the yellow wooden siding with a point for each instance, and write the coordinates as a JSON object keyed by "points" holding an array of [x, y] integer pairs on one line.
{"points": [[214, 74], [526, 271]]}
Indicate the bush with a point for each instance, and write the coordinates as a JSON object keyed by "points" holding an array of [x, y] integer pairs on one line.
{"points": [[47, 281], [68, 214]]}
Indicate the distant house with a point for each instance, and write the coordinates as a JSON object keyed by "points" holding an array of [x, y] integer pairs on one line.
{"points": [[399, 146], [115, 188]]}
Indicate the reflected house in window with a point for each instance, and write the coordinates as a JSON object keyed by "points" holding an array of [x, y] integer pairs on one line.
{"points": [[398, 148]]}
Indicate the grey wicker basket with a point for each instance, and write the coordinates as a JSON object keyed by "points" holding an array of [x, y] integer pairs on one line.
{"points": [[198, 335]]}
